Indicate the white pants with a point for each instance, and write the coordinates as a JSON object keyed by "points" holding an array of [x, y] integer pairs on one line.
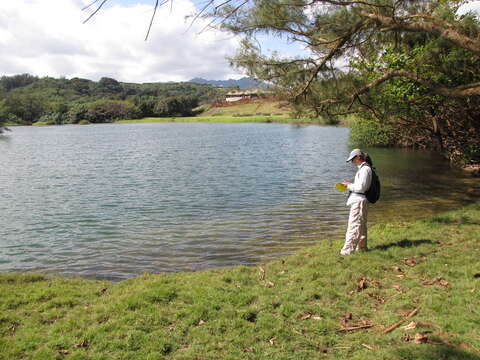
{"points": [[356, 236]]}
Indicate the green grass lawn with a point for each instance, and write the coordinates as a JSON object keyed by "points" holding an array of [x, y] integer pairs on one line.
{"points": [[314, 304], [255, 108]]}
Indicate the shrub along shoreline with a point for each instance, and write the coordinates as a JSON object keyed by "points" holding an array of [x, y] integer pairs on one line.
{"points": [[414, 295]]}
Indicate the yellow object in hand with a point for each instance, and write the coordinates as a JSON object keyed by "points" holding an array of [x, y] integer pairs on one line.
{"points": [[340, 187]]}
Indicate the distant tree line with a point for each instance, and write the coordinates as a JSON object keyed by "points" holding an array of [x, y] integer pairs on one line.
{"points": [[26, 99]]}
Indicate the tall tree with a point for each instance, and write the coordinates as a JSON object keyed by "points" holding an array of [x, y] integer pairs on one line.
{"points": [[335, 30], [331, 30], [408, 67], [419, 52]]}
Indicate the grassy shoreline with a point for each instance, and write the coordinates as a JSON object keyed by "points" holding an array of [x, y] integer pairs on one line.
{"points": [[314, 304], [206, 119], [226, 119]]}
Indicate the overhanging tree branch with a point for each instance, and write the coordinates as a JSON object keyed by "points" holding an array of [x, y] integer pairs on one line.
{"points": [[456, 92], [447, 32], [96, 10], [333, 52]]}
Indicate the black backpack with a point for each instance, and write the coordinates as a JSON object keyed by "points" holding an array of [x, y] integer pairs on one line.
{"points": [[373, 193]]}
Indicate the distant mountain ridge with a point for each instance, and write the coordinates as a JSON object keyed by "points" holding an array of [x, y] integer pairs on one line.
{"points": [[243, 83]]}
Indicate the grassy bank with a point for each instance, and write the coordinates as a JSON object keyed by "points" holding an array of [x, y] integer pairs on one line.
{"points": [[255, 108], [209, 119], [227, 119], [259, 111], [311, 305]]}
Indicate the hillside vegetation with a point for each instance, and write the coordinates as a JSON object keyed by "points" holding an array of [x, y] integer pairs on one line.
{"points": [[26, 100], [414, 295], [29, 100]]}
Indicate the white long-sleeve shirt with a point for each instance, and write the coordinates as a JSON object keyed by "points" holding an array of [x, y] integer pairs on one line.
{"points": [[363, 179]]}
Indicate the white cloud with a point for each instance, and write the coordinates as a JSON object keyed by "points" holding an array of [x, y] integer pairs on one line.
{"points": [[48, 38], [471, 6]]}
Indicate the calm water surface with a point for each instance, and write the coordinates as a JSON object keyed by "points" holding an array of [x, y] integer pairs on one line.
{"points": [[114, 201]]}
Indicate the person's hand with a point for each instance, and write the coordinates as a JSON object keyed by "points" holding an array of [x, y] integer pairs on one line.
{"points": [[346, 183]]}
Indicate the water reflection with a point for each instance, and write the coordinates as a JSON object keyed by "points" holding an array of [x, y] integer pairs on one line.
{"points": [[418, 184], [114, 201]]}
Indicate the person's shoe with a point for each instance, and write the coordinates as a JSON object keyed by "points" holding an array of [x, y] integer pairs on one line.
{"points": [[345, 252], [365, 249]]}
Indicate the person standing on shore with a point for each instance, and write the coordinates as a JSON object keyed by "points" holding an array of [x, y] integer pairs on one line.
{"points": [[356, 236]]}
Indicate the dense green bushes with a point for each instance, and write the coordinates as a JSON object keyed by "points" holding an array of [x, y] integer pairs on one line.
{"points": [[107, 111], [369, 132], [102, 111], [27, 107], [176, 106]]}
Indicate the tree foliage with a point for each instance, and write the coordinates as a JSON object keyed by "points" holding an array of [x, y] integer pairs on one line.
{"points": [[8, 83], [27, 107], [176, 106], [408, 66]]}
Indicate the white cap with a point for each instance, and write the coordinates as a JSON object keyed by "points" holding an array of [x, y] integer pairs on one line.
{"points": [[353, 153]]}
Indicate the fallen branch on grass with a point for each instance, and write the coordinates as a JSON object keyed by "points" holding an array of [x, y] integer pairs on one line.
{"points": [[397, 324], [356, 328]]}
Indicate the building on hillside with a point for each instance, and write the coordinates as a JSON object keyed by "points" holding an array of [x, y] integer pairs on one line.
{"points": [[233, 96]]}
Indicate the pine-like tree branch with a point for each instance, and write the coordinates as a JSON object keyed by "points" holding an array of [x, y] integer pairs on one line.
{"points": [[447, 32]]}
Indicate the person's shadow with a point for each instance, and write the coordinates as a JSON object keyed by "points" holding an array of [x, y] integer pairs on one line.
{"points": [[435, 352], [405, 243]]}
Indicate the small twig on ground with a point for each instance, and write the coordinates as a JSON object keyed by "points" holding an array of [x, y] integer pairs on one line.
{"points": [[356, 328], [368, 347], [398, 323]]}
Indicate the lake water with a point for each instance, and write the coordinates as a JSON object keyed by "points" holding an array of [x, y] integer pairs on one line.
{"points": [[114, 201]]}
